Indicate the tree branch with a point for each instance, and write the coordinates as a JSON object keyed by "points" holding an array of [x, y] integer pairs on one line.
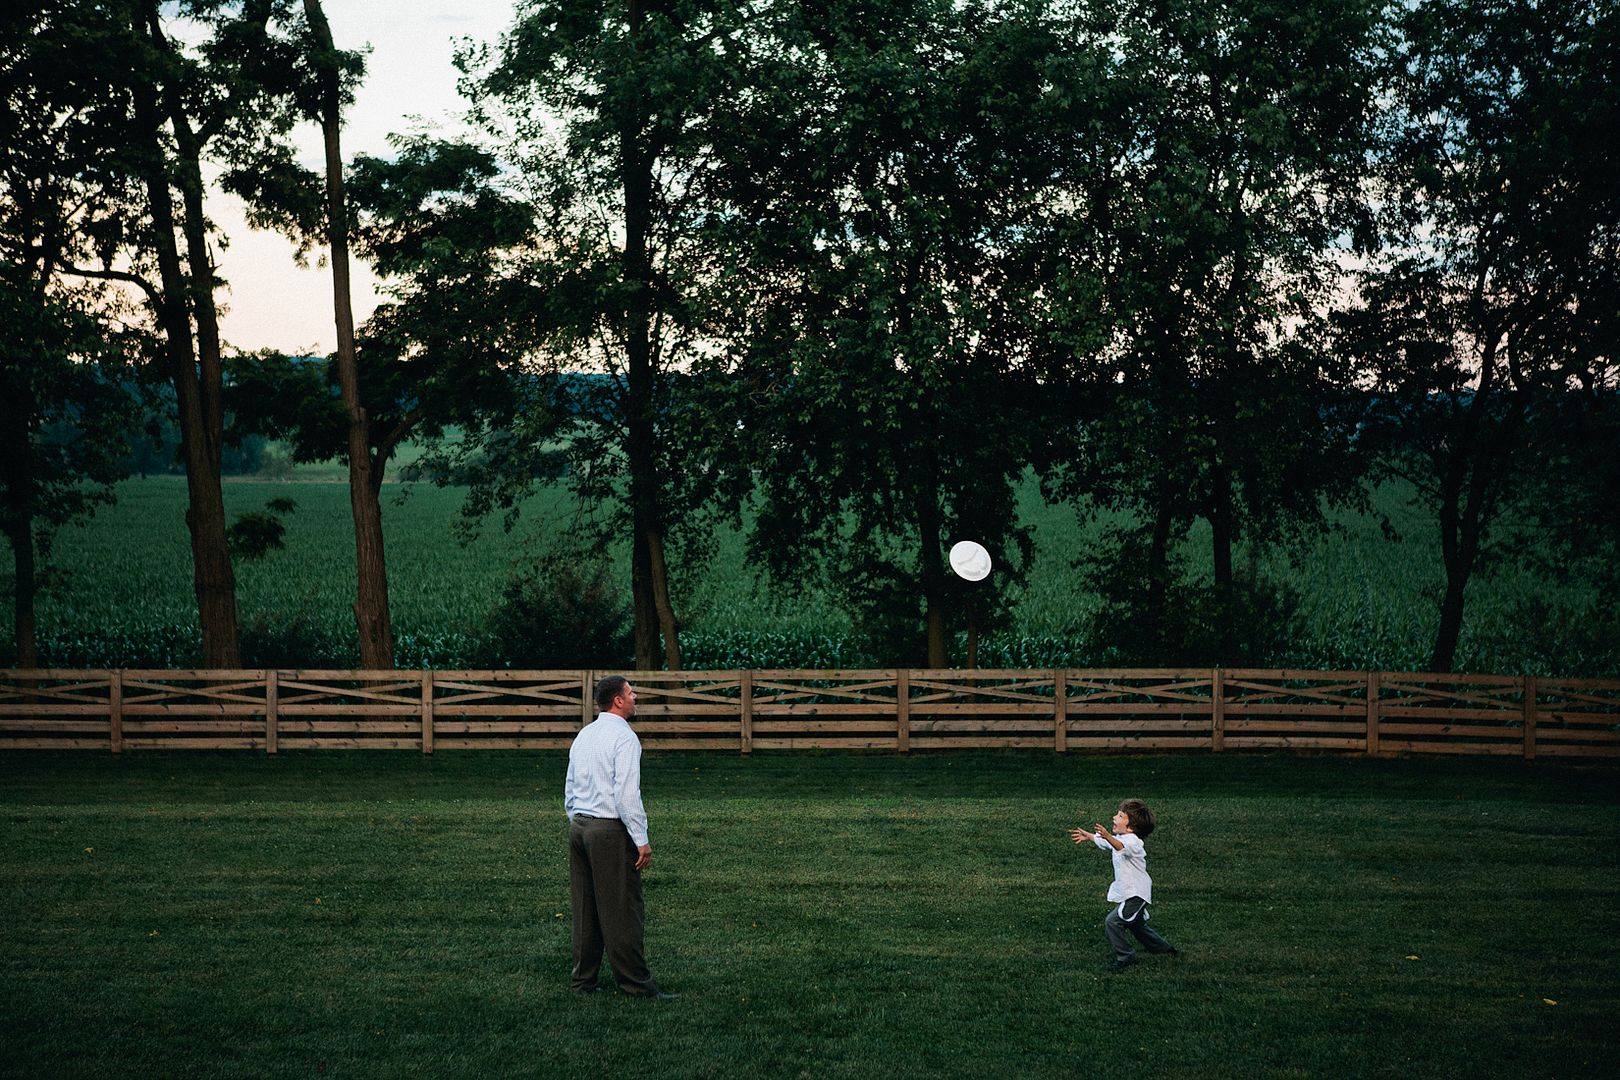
{"points": [[152, 295], [391, 441]]}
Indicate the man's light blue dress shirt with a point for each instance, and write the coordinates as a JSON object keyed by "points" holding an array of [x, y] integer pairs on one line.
{"points": [[604, 775]]}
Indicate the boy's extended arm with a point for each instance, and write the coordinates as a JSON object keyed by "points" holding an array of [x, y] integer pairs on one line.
{"points": [[1081, 836], [1113, 841]]}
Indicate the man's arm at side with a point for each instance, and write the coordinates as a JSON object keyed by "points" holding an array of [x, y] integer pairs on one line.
{"points": [[627, 793]]}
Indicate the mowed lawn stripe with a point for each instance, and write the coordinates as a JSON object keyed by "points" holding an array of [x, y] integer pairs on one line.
{"points": [[383, 914]]}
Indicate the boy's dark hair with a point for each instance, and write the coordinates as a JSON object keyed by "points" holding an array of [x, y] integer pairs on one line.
{"points": [[607, 689], [1141, 817]]}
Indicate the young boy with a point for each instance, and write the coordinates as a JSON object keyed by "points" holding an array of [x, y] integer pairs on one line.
{"points": [[1132, 889]]}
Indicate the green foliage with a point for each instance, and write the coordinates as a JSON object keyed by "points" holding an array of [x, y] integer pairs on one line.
{"points": [[436, 219], [730, 650], [274, 56], [612, 115], [887, 180], [1150, 614], [66, 352], [560, 611], [1364, 600], [256, 533], [156, 642], [289, 398], [1495, 288], [897, 251], [1233, 138], [62, 404], [293, 639]]}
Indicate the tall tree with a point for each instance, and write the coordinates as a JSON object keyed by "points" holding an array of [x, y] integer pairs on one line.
{"points": [[182, 106], [885, 184], [1574, 519], [65, 366], [1230, 171], [371, 612], [606, 108], [64, 406], [434, 224], [1498, 288], [172, 130], [444, 349]]}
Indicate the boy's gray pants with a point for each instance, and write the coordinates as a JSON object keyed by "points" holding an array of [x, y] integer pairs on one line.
{"points": [[1131, 918]]}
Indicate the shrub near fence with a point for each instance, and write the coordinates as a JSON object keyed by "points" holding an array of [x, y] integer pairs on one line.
{"points": [[898, 710]]}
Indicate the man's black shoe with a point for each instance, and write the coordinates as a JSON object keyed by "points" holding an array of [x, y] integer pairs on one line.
{"points": [[657, 994], [585, 989], [1121, 965]]}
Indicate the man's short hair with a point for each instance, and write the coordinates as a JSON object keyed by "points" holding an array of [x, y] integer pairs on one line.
{"points": [[608, 688], [1141, 818]]}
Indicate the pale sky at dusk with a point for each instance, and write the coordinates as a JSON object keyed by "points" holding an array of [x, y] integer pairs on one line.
{"points": [[410, 82]]}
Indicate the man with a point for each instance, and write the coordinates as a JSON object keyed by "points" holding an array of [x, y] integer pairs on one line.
{"points": [[607, 845]]}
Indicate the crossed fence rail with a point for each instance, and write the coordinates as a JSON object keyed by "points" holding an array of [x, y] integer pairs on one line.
{"points": [[900, 710]]}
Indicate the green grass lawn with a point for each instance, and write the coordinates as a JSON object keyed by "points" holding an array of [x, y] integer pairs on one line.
{"points": [[375, 914]]}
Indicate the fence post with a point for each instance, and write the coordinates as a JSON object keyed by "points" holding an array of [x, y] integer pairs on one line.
{"points": [[1375, 689], [115, 711], [902, 711], [1531, 690], [427, 712], [586, 715], [1217, 711], [745, 690], [272, 710], [1060, 711]]}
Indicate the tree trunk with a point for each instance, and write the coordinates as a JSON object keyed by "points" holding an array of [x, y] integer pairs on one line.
{"points": [[371, 609], [645, 631], [1158, 567], [26, 623], [939, 655], [1165, 351], [1221, 530], [20, 532], [17, 512], [1451, 615], [933, 569], [1158, 572], [1476, 464], [1464, 517], [213, 578], [668, 625], [1221, 527], [655, 615], [654, 611]]}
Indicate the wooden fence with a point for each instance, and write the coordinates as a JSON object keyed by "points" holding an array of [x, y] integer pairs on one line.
{"points": [[898, 710]]}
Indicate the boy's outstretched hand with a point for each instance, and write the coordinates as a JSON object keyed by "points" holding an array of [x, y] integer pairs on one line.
{"points": [[1081, 836]]}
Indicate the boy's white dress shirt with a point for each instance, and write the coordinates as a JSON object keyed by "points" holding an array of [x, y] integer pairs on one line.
{"points": [[1130, 868]]}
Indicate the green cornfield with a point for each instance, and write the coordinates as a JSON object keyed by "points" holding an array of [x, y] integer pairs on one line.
{"points": [[119, 590]]}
